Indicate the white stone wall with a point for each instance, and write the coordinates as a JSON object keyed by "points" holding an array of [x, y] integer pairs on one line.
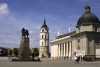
{"points": [[54, 51]]}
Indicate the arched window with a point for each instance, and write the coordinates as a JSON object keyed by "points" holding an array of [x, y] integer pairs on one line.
{"points": [[42, 43], [42, 36], [42, 30]]}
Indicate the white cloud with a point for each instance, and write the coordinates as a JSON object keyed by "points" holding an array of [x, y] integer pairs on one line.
{"points": [[4, 8], [31, 32]]}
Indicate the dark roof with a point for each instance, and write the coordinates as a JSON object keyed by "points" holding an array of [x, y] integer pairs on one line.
{"points": [[2, 48], [44, 25], [88, 17], [68, 34]]}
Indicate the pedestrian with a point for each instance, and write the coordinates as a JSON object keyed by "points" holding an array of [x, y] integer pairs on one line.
{"points": [[81, 58], [76, 59], [21, 56], [67, 57]]}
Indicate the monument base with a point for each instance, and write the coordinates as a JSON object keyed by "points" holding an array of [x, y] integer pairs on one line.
{"points": [[25, 60], [20, 60]]}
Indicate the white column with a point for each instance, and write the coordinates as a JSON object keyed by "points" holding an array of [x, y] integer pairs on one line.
{"points": [[70, 48], [51, 51], [64, 49], [54, 51], [67, 49], [59, 50]]}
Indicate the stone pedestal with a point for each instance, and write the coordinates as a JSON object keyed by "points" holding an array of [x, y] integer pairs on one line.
{"points": [[24, 48]]}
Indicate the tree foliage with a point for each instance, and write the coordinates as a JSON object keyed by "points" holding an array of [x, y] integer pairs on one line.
{"points": [[15, 51], [30, 53], [36, 52], [10, 52]]}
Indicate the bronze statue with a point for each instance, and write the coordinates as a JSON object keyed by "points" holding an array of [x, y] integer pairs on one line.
{"points": [[25, 33]]}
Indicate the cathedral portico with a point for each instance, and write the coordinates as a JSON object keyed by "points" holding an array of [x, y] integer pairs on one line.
{"points": [[62, 50]]}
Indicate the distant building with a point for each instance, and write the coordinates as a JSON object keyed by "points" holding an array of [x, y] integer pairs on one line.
{"points": [[44, 41], [84, 41], [3, 51]]}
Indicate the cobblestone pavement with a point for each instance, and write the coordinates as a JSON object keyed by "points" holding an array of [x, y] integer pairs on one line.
{"points": [[48, 63]]}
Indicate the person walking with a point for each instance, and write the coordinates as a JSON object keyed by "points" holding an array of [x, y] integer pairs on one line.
{"points": [[76, 59]]}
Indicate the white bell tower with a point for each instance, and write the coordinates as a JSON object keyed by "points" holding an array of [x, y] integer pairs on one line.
{"points": [[44, 41]]}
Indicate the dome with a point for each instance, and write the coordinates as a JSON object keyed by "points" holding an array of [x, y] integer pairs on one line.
{"points": [[88, 17]]}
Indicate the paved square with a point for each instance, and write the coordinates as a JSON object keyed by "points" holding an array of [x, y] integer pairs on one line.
{"points": [[48, 63]]}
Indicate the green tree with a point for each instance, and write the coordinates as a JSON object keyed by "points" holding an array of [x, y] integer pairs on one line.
{"points": [[10, 52], [36, 52], [15, 51], [30, 53]]}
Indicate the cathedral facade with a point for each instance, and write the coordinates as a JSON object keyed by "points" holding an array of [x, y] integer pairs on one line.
{"points": [[84, 41]]}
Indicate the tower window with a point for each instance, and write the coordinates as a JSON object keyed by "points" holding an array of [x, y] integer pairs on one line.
{"points": [[45, 36], [42, 43], [42, 30], [42, 36], [45, 43]]}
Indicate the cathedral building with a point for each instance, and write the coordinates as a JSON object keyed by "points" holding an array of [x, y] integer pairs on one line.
{"points": [[84, 41], [44, 41]]}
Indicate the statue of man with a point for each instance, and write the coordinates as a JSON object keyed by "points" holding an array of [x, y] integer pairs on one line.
{"points": [[70, 28], [23, 33], [27, 33], [58, 33]]}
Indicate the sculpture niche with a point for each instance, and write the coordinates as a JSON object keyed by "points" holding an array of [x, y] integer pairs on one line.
{"points": [[25, 33]]}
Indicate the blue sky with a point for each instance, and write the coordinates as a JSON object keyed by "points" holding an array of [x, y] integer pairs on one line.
{"points": [[59, 14]]}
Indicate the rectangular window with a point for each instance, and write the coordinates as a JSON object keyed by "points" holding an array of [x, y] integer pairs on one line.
{"points": [[45, 43], [96, 30], [79, 30], [78, 41], [42, 43], [45, 36]]}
